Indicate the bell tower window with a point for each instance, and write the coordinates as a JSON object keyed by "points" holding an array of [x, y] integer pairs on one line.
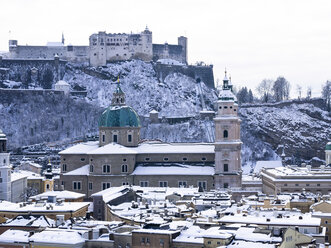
{"points": [[130, 138], [226, 167], [225, 134]]}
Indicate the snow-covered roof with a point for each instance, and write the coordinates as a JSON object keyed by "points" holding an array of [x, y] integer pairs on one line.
{"points": [[226, 95], [24, 173], [52, 43], [305, 220], [92, 147], [266, 164], [65, 194], [65, 236], [14, 235], [174, 169], [159, 148], [36, 207], [113, 148], [84, 171], [191, 235], [17, 175], [62, 82], [112, 193], [31, 221], [81, 148]]}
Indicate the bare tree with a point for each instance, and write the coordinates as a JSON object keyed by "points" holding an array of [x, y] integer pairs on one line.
{"points": [[326, 95], [281, 89], [264, 89], [299, 90], [309, 92]]}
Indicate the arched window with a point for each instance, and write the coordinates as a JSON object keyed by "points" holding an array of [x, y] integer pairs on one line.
{"points": [[106, 168], [91, 168], [124, 168], [225, 134]]}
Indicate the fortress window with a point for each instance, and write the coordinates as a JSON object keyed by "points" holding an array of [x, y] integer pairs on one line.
{"points": [[64, 159], [115, 138], [226, 167], [143, 183], [64, 167], [296, 184], [225, 134], [203, 159], [90, 186], [163, 184], [130, 138], [82, 159], [91, 168], [235, 110], [318, 184], [225, 107], [226, 185], [124, 168], [124, 159], [125, 183], [95, 54], [230, 107], [220, 107], [165, 159], [182, 184], [147, 159], [105, 185], [202, 184], [184, 159], [106, 168]]}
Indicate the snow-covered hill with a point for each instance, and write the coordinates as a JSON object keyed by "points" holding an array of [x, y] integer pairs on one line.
{"points": [[177, 95]]}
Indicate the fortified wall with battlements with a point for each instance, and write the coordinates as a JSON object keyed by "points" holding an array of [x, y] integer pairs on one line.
{"points": [[105, 47]]}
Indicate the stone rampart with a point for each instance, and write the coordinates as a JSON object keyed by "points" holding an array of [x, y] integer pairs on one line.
{"points": [[204, 73]]}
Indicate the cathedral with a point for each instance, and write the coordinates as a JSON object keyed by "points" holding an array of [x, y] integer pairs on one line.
{"points": [[120, 157]]}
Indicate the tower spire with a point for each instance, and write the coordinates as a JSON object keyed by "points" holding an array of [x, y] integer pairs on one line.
{"points": [[62, 38]]}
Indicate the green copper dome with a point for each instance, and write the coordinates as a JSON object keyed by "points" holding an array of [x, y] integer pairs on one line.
{"points": [[119, 116], [328, 146]]}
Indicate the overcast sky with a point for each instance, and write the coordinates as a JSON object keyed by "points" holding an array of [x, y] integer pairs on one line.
{"points": [[253, 39]]}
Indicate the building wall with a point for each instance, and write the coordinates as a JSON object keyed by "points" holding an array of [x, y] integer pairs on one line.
{"points": [[173, 180], [5, 175], [17, 190], [154, 240], [122, 135]]}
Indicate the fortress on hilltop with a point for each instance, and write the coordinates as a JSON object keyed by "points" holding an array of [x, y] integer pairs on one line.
{"points": [[105, 47]]}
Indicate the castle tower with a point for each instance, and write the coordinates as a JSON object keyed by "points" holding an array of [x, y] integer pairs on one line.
{"points": [[147, 44], [182, 41], [5, 169], [227, 139], [119, 123]]}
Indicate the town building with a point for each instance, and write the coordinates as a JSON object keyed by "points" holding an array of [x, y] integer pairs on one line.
{"points": [[121, 158], [295, 179], [328, 153]]}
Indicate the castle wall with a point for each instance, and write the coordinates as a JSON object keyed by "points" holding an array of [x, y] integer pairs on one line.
{"points": [[70, 53], [204, 73], [166, 51], [34, 71]]}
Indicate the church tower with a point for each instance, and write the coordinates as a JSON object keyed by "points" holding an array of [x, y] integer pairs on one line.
{"points": [[5, 169], [227, 139], [119, 123]]}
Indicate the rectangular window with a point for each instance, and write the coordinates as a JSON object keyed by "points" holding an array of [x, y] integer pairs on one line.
{"points": [[163, 184], [226, 167], [0, 180], [115, 138], [202, 184], [64, 167], [182, 184], [77, 185], [226, 185], [129, 138], [106, 168], [105, 185], [143, 183], [90, 186], [103, 138]]}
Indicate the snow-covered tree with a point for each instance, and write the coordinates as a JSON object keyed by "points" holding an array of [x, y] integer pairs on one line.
{"points": [[326, 95]]}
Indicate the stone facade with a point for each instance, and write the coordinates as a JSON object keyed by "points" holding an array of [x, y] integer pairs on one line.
{"points": [[107, 47], [5, 169]]}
